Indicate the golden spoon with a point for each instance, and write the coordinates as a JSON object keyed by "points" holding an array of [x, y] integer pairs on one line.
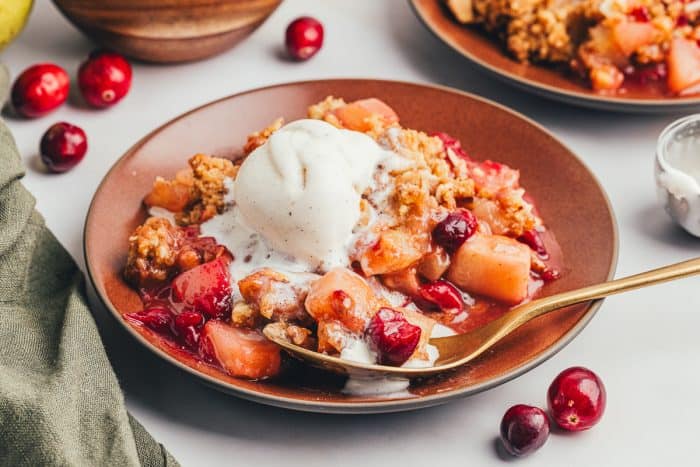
{"points": [[462, 348]]}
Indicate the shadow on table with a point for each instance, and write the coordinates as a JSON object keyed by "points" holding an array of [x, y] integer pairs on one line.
{"points": [[654, 222]]}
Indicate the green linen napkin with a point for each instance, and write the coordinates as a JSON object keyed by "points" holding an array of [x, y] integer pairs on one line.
{"points": [[4, 84], [60, 402]]}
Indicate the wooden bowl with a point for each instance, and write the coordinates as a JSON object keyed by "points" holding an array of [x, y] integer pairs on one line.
{"points": [[167, 31], [581, 219]]}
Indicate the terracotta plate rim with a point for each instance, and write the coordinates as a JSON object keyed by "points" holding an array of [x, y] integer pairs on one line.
{"points": [[363, 407], [675, 103]]}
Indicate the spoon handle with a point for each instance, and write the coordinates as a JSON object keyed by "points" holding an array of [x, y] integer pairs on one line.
{"points": [[521, 314]]}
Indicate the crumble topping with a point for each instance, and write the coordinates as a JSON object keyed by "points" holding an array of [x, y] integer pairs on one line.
{"points": [[392, 252], [195, 194], [153, 249], [158, 250], [258, 138]]}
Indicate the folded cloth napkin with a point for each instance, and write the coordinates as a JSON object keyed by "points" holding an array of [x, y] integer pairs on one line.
{"points": [[60, 403], [4, 84]]}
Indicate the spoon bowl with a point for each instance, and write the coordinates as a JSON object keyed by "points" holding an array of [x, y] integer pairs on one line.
{"points": [[460, 349]]}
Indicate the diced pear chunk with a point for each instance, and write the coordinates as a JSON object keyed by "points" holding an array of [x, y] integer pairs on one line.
{"points": [[342, 296], [492, 265], [357, 115], [243, 353]]}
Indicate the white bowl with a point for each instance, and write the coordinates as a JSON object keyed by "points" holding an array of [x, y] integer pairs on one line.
{"points": [[678, 172]]}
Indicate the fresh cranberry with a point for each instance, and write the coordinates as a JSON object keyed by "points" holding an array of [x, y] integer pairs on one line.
{"points": [[40, 89], [63, 146], [304, 38], [104, 78], [455, 229], [682, 21], [157, 318], [187, 325], [392, 336], [640, 14], [205, 288], [451, 143], [443, 294], [576, 399], [524, 429], [533, 239]]}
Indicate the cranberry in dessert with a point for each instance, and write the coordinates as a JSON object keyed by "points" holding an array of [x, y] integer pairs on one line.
{"points": [[524, 429], [455, 229], [443, 294], [40, 89], [375, 238], [392, 336], [576, 399]]}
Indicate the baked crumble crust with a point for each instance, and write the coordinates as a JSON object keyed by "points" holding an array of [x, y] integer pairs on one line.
{"points": [[208, 191], [258, 138], [197, 193], [153, 249]]}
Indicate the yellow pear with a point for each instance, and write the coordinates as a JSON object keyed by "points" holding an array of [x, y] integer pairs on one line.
{"points": [[13, 15]]}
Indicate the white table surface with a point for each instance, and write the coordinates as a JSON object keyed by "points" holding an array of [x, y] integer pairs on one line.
{"points": [[644, 345]]}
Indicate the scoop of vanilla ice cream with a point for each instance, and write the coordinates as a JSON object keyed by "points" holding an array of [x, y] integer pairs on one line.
{"points": [[301, 190]]}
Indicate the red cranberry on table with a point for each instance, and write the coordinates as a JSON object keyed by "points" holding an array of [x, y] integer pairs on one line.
{"points": [[392, 336], [104, 78], [576, 399], [524, 429], [304, 37], [40, 89], [63, 146], [443, 294], [455, 229]]}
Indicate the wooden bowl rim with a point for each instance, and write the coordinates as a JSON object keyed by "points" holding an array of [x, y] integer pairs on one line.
{"points": [[135, 35]]}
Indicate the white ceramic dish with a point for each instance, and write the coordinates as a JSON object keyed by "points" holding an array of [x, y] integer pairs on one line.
{"points": [[677, 171]]}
